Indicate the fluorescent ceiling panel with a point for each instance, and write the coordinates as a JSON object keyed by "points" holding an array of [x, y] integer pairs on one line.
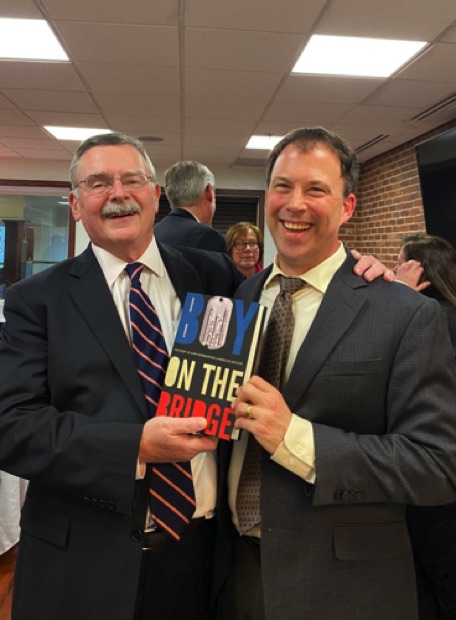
{"points": [[355, 56], [264, 143], [29, 39], [74, 133]]}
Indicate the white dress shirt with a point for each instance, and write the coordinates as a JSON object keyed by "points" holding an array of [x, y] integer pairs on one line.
{"points": [[156, 283]]}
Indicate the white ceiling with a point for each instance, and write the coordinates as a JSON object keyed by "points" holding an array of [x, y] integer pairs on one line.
{"points": [[204, 75]]}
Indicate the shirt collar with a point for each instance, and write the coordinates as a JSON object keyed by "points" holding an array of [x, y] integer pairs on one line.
{"points": [[112, 266], [319, 276]]}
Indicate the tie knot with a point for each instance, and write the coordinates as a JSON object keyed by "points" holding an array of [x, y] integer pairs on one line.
{"points": [[290, 285], [134, 271]]}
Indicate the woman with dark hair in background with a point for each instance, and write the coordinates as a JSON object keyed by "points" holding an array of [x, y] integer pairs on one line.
{"points": [[245, 246], [428, 264]]}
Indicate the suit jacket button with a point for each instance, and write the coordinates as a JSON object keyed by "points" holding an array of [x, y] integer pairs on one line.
{"points": [[359, 496], [136, 535], [344, 496]]}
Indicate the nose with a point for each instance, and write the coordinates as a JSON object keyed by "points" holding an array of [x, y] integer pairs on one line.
{"points": [[296, 200], [118, 191]]}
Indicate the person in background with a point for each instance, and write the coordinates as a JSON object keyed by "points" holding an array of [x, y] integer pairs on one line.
{"points": [[359, 422], [245, 246], [75, 422], [190, 189], [427, 263]]}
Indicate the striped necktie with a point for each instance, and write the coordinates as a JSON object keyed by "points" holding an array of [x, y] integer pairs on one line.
{"points": [[273, 361], [172, 501]]}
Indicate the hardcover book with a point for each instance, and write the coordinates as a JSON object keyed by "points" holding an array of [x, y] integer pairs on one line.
{"points": [[214, 353]]}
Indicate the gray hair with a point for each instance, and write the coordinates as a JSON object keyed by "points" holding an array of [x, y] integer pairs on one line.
{"points": [[308, 138], [185, 183], [108, 139]]}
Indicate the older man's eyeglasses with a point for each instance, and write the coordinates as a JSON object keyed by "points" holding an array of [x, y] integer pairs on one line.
{"points": [[99, 184], [242, 245]]}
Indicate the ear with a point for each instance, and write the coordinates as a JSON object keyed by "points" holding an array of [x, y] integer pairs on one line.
{"points": [[74, 206], [157, 194], [210, 193], [348, 208]]}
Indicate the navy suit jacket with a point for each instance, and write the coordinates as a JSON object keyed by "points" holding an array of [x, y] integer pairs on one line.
{"points": [[375, 375], [72, 411], [180, 228]]}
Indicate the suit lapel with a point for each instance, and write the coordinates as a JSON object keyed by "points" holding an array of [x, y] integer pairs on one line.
{"points": [[90, 293], [338, 310]]}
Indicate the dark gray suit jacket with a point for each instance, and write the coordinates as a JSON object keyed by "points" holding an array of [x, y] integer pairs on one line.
{"points": [[376, 377], [71, 415], [180, 228]]}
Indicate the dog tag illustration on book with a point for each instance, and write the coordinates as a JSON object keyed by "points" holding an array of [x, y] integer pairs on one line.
{"points": [[216, 320]]}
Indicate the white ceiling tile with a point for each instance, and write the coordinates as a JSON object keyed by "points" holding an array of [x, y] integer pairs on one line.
{"points": [[363, 133], [209, 155], [255, 15], [415, 20], [44, 154], [134, 79], [143, 125], [242, 51], [323, 89], [6, 104], [20, 9], [230, 84], [14, 117], [449, 36], [5, 152], [121, 43], [116, 11], [22, 131], [225, 108], [403, 92], [218, 126], [307, 113], [229, 141], [39, 75], [48, 100], [436, 65], [27, 143], [67, 119], [371, 114], [146, 104]]}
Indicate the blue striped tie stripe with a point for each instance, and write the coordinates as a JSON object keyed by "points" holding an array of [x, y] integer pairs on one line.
{"points": [[172, 493]]}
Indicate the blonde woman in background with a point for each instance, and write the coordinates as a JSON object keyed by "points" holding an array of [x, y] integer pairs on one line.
{"points": [[245, 246]]}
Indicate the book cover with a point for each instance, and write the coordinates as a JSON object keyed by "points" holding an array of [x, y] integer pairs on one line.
{"points": [[214, 353]]}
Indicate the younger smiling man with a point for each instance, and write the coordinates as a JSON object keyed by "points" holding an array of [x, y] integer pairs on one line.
{"points": [[362, 424]]}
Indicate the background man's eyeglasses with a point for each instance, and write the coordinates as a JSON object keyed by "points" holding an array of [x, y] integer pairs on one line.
{"points": [[241, 245], [100, 184]]}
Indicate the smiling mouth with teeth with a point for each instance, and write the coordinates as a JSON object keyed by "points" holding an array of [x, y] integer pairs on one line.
{"points": [[296, 225]]}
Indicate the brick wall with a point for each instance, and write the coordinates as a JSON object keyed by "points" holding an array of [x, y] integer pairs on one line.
{"points": [[389, 202]]}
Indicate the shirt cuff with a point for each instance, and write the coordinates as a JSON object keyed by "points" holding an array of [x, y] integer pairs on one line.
{"points": [[140, 470], [297, 450]]}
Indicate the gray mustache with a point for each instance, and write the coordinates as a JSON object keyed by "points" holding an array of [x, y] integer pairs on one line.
{"points": [[112, 208]]}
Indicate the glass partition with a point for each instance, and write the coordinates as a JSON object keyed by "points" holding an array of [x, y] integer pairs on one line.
{"points": [[35, 229]]}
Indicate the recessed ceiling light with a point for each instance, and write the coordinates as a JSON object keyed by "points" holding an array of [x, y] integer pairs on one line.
{"points": [[29, 39], [355, 56], [74, 133], [264, 143]]}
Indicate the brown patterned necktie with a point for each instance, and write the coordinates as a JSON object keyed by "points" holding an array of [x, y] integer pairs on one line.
{"points": [[273, 361]]}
